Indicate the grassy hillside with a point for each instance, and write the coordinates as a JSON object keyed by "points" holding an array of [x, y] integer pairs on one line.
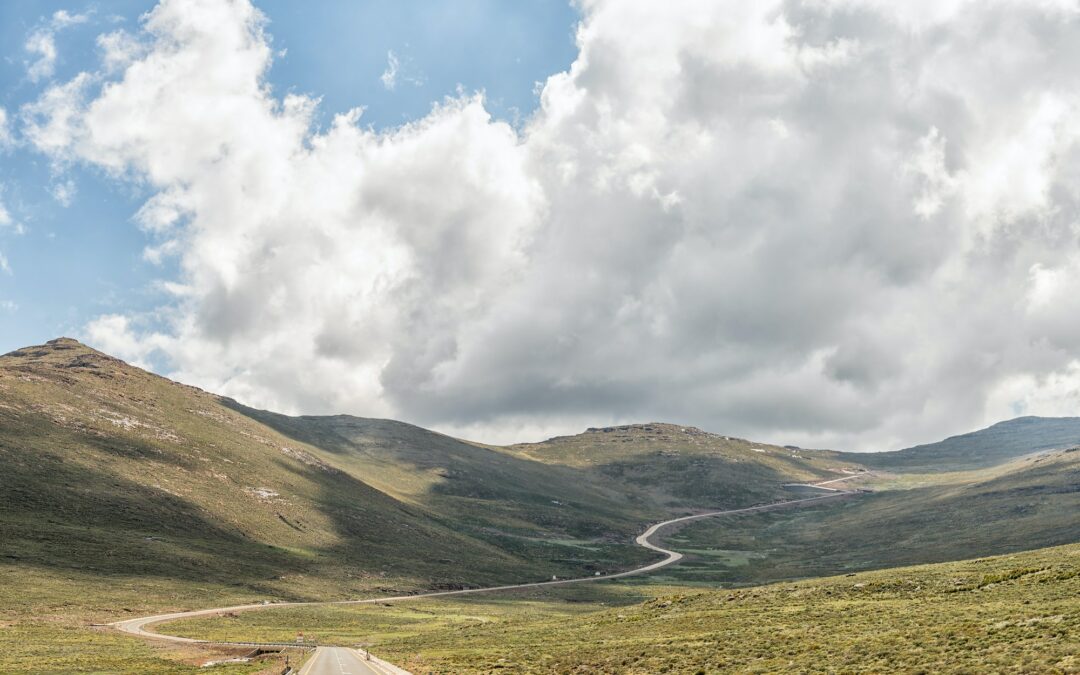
{"points": [[979, 449], [1024, 504], [581, 498], [514, 502], [123, 493], [109, 469], [1012, 614], [679, 466], [1015, 613], [112, 470]]}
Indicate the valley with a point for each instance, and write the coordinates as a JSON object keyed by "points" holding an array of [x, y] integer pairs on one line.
{"points": [[126, 495]]}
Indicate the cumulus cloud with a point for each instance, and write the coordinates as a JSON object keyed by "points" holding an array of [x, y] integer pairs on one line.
{"points": [[63, 18], [118, 49], [843, 223], [41, 44]]}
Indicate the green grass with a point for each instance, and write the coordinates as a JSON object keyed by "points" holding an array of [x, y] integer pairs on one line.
{"points": [[58, 648], [937, 618], [1017, 613], [999, 443], [683, 467], [124, 494], [1024, 505], [46, 622], [364, 624]]}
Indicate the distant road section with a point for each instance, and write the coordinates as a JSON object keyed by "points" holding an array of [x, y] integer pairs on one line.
{"points": [[141, 626]]}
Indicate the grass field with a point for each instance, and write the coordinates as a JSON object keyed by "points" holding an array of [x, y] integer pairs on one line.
{"points": [[365, 624], [125, 494], [1017, 613], [1022, 505]]}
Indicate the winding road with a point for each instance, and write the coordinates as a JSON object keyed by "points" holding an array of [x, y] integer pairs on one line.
{"points": [[141, 626]]}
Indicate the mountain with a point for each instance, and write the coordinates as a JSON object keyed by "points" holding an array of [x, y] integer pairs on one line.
{"points": [[109, 470], [1024, 504], [112, 470], [123, 493], [680, 465], [978, 449]]}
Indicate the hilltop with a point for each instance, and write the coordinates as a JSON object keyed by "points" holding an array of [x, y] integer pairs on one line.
{"points": [[1024, 504], [678, 464], [113, 471], [123, 493], [987, 447]]}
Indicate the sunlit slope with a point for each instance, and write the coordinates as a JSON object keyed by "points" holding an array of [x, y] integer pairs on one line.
{"points": [[1024, 504], [588, 494], [611, 479], [520, 504], [678, 465], [978, 449], [107, 468], [1016, 613]]}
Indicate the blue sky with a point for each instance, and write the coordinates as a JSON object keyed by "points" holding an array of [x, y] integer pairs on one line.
{"points": [[846, 223], [74, 262]]}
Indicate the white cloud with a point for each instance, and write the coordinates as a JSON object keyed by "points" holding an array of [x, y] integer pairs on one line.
{"points": [[7, 222], [118, 49], [63, 18], [832, 223], [114, 334], [64, 192], [52, 122], [400, 71], [929, 164], [6, 137], [41, 44], [389, 76]]}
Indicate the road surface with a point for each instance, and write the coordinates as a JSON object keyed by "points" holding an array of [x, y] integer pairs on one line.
{"points": [[141, 626], [345, 661]]}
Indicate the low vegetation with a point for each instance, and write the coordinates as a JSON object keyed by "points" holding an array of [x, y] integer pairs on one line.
{"points": [[367, 624], [980, 449], [1022, 505], [1015, 613], [125, 494]]}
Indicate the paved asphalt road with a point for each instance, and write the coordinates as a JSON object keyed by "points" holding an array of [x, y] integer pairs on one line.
{"points": [[342, 661], [141, 626]]}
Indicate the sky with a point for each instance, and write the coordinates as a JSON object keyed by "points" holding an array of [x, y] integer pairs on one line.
{"points": [[833, 223]]}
